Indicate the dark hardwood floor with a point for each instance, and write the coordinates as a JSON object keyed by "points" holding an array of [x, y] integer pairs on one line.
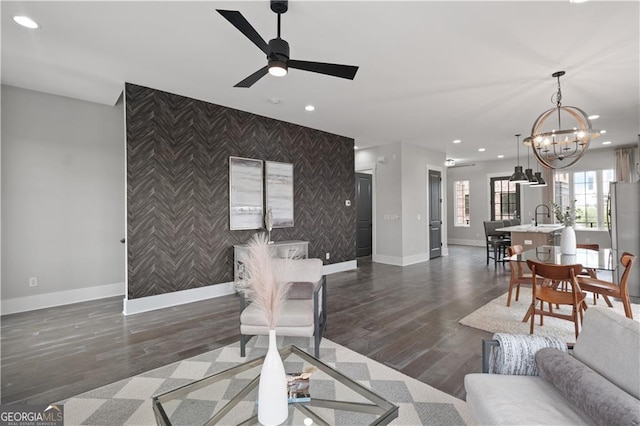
{"points": [[404, 317]]}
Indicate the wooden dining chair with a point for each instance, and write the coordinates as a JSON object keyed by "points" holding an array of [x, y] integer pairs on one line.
{"points": [[518, 274], [552, 295], [607, 288]]}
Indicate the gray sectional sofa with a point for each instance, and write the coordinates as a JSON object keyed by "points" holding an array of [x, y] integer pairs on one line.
{"points": [[597, 383]]}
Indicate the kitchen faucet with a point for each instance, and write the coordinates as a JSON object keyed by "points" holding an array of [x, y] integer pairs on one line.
{"points": [[536, 212]]}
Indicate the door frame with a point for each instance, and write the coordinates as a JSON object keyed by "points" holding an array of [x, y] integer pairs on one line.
{"points": [[487, 195], [370, 168], [443, 207]]}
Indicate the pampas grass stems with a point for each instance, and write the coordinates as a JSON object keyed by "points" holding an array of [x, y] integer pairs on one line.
{"points": [[266, 284]]}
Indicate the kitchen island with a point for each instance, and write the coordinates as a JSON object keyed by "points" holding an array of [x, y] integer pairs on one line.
{"points": [[529, 236]]}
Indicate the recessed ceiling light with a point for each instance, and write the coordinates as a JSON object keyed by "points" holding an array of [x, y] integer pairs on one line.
{"points": [[602, 132], [355, 147], [457, 141], [500, 156], [606, 143], [309, 108], [578, 1], [481, 149], [594, 117], [25, 21]]}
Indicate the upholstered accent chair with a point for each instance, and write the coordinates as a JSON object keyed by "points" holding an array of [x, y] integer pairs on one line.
{"points": [[303, 313]]}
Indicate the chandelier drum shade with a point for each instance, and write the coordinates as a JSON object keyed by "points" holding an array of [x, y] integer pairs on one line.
{"points": [[556, 147]]}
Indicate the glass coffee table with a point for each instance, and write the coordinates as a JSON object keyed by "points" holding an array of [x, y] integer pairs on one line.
{"points": [[229, 397]]}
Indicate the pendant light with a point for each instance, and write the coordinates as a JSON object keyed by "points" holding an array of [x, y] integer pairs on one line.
{"points": [[560, 143], [529, 173], [518, 176], [540, 181]]}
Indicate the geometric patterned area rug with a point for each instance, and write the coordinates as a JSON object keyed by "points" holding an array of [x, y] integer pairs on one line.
{"points": [[496, 317], [128, 402]]}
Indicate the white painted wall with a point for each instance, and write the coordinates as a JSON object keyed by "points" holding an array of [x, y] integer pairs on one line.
{"points": [[388, 202], [415, 162], [63, 199], [400, 184], [478, 177]]}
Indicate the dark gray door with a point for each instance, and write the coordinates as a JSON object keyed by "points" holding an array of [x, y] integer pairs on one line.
{"points": [[435, 217], [364, 217]]}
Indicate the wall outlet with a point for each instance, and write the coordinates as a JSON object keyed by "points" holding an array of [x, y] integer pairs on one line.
{"points": [[327, 256], [33, 281]]}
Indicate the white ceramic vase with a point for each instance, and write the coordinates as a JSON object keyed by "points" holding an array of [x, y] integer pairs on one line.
{"points": [[568, 241], [273, 406]]}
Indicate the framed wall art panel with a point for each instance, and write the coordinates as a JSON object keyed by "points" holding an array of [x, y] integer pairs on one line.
{"points": [[245, 193], [279, 187]]}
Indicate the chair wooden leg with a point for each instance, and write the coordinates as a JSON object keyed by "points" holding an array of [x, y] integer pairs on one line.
{"points": [[626, 302], [606, 299], [533, 316], [517, 292], [509, 295], [575, 319]]}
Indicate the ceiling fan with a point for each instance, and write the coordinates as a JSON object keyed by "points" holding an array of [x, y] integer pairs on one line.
{"points": [[277, 50]]}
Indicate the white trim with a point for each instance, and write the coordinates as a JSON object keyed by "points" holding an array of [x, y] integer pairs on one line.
{"points": [[466, 242], [59, 298], [167, 300], [401, 261], [417, 258], [160, 301], [388, 260], [339, 267]]}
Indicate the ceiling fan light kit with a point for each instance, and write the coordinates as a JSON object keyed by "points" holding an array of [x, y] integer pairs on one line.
{"points": [[556, 147], [277, 50]]}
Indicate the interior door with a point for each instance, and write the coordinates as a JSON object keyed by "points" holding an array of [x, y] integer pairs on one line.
{"points": [[364, 224], [435, 215]]}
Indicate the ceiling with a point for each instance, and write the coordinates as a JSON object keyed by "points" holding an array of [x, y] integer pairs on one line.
{"points": [[430, 72]]}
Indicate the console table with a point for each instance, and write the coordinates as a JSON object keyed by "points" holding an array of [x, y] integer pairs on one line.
{"points": [[280, 249]]}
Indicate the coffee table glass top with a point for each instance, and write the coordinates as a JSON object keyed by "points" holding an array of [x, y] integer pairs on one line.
{"points": [[229, 397]]}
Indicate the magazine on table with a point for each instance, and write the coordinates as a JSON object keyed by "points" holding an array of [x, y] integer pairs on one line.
{"points": [[298, 386]]}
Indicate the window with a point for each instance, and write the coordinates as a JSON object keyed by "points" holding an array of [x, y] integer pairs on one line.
{"points": [[505, 199], [590, 189], [462, 203]]}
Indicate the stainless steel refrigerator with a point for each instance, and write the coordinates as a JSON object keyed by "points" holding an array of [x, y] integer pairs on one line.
{"points": [[625, 229]]}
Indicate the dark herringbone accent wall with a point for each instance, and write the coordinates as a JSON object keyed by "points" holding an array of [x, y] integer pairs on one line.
{"points": [[178, 152]]}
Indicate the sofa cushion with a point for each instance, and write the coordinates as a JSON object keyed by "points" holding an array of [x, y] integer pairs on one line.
{"points": [[496, 399], [294, 313], [304, 270], [603, 330], [603, 401], [300, 290]]}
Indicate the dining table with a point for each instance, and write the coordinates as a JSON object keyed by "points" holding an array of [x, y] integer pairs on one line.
{"points": [[603, 259]]}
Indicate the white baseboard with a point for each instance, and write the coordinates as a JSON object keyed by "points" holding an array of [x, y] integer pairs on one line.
{"points": [[465, 242], [339, 267], [387, 260], [134, 306], [400, 261], [151, 303], [59, 298]]}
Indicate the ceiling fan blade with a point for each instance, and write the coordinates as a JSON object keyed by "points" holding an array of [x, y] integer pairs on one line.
{"points": [[248, 82], [239, 21], [335, 70]]}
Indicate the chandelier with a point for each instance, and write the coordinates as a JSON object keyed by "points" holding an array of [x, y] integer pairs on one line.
{"points": [[556, 147]]}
